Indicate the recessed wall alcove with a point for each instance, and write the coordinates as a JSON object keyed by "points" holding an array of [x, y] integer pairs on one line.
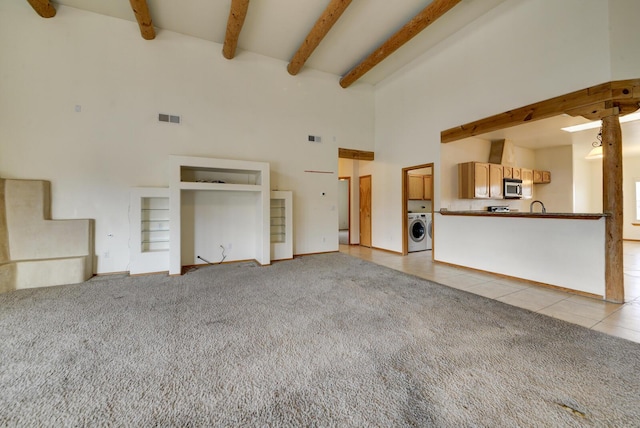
{"points": [[217, 203]]}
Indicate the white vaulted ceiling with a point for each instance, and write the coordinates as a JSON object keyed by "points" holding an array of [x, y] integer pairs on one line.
{"points": [[276, 28]]}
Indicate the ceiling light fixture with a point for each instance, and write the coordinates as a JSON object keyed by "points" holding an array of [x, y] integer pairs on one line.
{"points": [[598, 123], [596, 152]]}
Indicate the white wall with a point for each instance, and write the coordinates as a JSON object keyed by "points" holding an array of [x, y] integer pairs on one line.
{"points": [[630, 174], [557, 196], [521, 52], [623, 25], [566, 253], [248, 108]]}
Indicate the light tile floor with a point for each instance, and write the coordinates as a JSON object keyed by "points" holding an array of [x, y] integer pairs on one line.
{"points": [[622, 320]]}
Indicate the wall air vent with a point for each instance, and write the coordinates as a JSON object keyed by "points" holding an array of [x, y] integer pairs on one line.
{"points": [[168, 118]]}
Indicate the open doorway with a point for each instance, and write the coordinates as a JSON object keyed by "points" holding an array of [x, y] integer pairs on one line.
{"points": [[417, 198], [344, 210]]}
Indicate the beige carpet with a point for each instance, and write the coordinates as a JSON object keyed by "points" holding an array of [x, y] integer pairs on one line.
{"points": [[324, 340]]}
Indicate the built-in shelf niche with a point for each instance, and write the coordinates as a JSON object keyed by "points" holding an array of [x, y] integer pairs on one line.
{"points": [[281, 225], [219, 175], [149, 223]]}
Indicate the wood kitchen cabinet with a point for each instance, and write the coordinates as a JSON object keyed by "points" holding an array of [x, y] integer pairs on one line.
{"points": [[478, 180], [419, 187], [496, 185], [507, 171], [415, 187], [428, 187], [541, 177], [527, 183], [517, 173]]}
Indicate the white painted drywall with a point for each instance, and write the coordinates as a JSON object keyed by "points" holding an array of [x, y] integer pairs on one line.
{"points": [[623, 25], [519, 53], [631, 174], [248, 108], [557, 196], [562, 252]]}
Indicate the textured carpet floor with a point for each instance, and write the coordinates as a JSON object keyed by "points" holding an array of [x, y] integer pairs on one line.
{"points": [[324, 340]]}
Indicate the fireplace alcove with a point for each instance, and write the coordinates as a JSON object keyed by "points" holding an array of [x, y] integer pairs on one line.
{"points": [[218, 203]]}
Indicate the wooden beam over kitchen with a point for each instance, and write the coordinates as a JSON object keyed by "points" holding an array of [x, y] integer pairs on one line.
{"points": [[141, 11], [237, 14], [427, 16], [355, 154], [595, 101], [322, 26], [43, 8]]}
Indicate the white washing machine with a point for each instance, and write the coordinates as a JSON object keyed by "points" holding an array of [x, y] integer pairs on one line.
{"points": [[420, 231]]}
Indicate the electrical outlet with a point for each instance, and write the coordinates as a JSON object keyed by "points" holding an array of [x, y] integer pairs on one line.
{"points": [[230, 246], [324, 239], [106, 255]]}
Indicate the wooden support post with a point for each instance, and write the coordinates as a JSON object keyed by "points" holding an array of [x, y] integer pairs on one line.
{"points": [[237, 14], [141, 11], [322, 26], [43, 8], [612, 206]]}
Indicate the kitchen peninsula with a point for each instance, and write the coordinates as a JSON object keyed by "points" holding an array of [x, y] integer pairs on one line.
{"points": [[564, 250]]}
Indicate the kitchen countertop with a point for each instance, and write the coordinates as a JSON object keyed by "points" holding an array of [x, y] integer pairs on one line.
{"points": [[524, 214]]}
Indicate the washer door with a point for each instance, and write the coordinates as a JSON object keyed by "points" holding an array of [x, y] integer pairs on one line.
{"points": [[417, 230]]}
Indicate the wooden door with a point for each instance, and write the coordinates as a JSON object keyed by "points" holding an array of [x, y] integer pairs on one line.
{"points": [[365, 211]]}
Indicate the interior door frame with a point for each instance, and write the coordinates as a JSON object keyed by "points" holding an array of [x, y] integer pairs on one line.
{"points": [[360, 209], [348, 180], [405, 200]]}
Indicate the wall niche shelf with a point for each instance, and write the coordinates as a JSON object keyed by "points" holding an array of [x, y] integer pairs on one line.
{"points": [[149, 223], [281, 227], [198, 174]]}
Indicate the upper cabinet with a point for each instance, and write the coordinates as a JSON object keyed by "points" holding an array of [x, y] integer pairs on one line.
{"points": [[527, 183], [496, 185], [428, 187], [419, 187], [479, 180], [541, 177]]}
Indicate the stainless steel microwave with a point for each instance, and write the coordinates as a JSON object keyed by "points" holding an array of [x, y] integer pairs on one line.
{"points": [[512, 188]]}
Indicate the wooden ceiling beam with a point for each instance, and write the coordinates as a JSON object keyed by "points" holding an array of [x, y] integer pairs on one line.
{"points": [[355, 154], [43, 8], [320, 29], [427, 16], [237, 14], [595, 101], [141, 11]]}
